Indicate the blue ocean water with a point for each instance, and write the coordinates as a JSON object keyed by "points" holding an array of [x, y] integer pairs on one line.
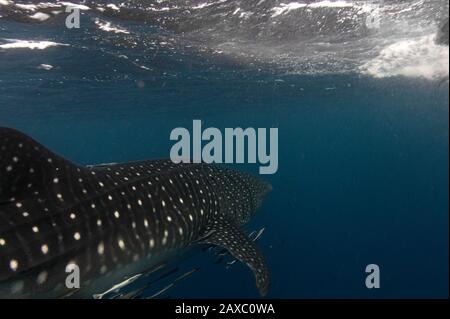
{"points": [[363, 160]]}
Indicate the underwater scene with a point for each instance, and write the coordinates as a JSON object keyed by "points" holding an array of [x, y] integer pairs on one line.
{"points": [[281, 149]]}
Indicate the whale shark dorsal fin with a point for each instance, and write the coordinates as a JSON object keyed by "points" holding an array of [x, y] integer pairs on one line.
{"points": [[225, 234], [24, 163]]}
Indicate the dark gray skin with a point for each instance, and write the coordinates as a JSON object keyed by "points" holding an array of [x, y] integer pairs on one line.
{"points": [[113, 220]]}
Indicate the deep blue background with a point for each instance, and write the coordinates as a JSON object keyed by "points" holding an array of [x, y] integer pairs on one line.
{"points": [[363, 167]]}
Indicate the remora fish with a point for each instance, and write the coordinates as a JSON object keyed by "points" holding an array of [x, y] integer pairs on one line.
{"points": [[114, 220]]}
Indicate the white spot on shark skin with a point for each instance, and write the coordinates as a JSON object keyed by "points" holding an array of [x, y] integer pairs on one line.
{"points": [[13, 264], [2, 242], [44, 249], [42, 277], [103, 269], [166, 235], [17, 287], [101, 248], [77, 236], [121, 244]]}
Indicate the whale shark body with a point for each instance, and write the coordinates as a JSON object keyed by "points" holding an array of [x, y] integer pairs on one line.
{"points": [[113, 221]]}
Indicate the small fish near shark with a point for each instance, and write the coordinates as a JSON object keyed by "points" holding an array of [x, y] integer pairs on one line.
{"points": [[113, 221]]}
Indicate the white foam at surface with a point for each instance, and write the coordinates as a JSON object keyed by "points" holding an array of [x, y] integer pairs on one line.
{"points": [[74, 5], [40, 16], [4, 2], [108, 27], [48, 5], [331, 4], [44, 66], [162, 9], [31, 7], [113, 6], [206, 4], [285, 8], [202, 5], [27, 44], [419, 58], [44, 5]]}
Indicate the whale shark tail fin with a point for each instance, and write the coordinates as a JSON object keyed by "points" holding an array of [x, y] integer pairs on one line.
{"points": [[25, 165], [226, 235]]}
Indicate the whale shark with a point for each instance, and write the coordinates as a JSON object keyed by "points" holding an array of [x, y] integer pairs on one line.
{"points": [[113, 221]]}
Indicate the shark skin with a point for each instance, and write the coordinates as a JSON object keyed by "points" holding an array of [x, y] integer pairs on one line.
{"points": [[113, 220]]}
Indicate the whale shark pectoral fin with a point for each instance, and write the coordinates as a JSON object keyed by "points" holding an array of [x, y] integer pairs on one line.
{"points": [[226, 235]]}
